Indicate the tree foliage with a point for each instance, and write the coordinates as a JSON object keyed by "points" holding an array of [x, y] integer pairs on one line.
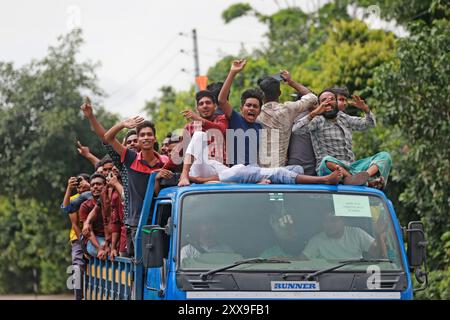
{"points": [[40, 123], [405, 82], [414, 92]]}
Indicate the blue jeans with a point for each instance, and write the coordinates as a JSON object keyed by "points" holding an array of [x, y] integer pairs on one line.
{"points": [[93, 250], [253, 174]]}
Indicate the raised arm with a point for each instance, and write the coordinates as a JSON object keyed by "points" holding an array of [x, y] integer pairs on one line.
{"points": [[236, 67], [71, 184], [361, 123], [309, 122], [110, 135], [86, 153], [87, 109], [302, 90]]}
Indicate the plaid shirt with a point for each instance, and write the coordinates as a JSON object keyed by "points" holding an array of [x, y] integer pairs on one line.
{"points": [[334, 137], [123, 175], [278, 118]]}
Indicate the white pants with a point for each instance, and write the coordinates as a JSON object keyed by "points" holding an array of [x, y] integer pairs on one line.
{"points": [[204, 167]]}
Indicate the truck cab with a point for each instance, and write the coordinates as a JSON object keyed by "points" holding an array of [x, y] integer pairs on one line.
{"points": [[251, 241]]}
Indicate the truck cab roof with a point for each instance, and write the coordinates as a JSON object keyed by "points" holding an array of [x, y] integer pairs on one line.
{"points": [[175, 191]]}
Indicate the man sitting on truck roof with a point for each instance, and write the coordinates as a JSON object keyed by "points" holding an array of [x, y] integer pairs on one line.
{"points": [[242, 136], [331, 135], [212, 170], [277, 118]]}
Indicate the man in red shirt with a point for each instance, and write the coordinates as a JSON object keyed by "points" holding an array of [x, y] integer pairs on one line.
{"points": [[139, 167], [214, 126], [93, 226]]}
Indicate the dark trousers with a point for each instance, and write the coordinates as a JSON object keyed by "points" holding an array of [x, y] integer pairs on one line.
{"points": [[78, 260], [131, 237]]}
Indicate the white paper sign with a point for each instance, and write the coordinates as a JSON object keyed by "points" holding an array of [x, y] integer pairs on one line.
{"points": [[351, 205]]}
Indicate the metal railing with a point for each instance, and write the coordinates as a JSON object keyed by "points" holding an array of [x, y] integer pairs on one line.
{"points": [[107, 280]]}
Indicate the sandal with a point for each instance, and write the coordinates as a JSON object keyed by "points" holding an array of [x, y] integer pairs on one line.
{"points": [[377, 183], [358, 179]]}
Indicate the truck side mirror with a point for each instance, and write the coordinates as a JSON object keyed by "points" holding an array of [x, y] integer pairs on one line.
{"points": [[416, 244], [417, 249], [152, 246]]}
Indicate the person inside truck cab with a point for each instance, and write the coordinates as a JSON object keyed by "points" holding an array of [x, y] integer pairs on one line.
{"points": [[285, 234], [338, 241], [203, 239]]}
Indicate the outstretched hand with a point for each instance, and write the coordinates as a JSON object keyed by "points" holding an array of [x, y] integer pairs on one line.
{"points": [[86, 107], [359, 103], [82, 150], [238, 65], [133, 122], [285, 75], [191, 115]]}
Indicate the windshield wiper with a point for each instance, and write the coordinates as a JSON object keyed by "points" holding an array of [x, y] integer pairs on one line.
{"points": [[344, 263], [205, 275]]}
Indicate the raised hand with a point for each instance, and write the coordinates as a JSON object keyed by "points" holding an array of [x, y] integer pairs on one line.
{"points": [[238, 65], [86, 107], [72, 182], [285, 75], [323, 107], [359, 103], [112, 180], [191, 115], [82, 150], [132, 122]]}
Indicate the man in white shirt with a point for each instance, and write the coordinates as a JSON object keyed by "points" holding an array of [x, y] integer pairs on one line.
{"points": [[340, 242]]}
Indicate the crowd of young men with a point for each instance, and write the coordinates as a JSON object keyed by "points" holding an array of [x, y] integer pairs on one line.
{"points": [[306, 141]]}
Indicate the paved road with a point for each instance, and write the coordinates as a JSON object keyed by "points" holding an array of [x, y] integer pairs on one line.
{"points": [[36, 297]]}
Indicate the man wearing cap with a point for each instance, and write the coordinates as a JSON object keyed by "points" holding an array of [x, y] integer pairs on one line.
{"points": [[277, 117]]}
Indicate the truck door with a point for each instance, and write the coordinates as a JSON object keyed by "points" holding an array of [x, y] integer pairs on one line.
{"points": [[156, 278]]}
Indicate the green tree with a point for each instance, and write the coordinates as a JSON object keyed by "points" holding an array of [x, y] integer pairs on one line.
{"points": [[405, 11], [414, 92], [40, 122]]}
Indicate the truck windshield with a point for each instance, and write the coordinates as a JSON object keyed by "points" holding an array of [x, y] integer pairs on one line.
{"points": [[311, 231]]}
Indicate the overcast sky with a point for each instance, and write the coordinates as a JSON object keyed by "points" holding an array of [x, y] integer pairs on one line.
{"points": [[137, 42]]}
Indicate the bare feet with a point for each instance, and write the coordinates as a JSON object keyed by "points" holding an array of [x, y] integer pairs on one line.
{"points": [[377, 183], [335, 176], [265, 181], [357, 179]]}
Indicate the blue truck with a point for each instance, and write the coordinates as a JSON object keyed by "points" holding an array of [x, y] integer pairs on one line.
{"points": [[256, 241]]}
